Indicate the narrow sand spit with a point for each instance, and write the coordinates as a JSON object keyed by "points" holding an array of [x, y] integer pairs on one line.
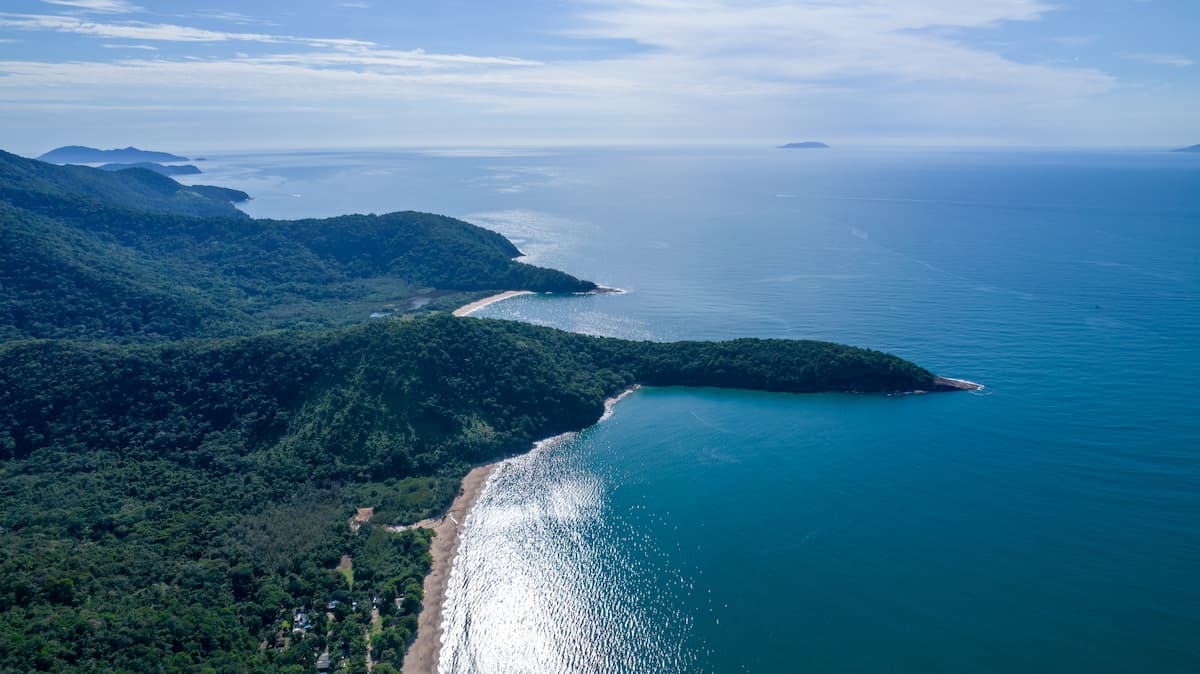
{"points": [[468, 309], [422, 655], [962, 384]]}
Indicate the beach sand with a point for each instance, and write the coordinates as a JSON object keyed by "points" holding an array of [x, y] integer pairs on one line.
{"points": [[468, 309], [422, 655]]}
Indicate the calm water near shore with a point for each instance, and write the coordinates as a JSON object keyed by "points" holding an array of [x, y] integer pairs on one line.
{"points": [[1050, 523]]}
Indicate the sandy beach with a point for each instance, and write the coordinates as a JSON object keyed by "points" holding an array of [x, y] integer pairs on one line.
{"points": [[468, 309], [422, 655]]}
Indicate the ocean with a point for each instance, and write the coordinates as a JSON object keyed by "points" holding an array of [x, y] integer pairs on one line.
{"points": [[1048, 523]]}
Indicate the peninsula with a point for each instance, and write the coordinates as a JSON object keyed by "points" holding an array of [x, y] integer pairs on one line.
{"points": [[194, 406], [172, 170], [80, 154], [806, 145], [1190, 148]]}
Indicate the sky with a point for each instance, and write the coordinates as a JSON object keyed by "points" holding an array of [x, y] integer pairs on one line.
{"points": [[217, 75]]}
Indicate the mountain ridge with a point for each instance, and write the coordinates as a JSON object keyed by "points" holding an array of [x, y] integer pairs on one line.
{"points": [[82, 154]]}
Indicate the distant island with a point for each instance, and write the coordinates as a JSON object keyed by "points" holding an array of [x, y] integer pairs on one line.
{"points": [[79, 154], [1190, 148], [161, 169], [806, 145]]}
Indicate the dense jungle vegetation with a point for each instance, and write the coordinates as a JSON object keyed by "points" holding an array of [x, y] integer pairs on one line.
{"points": [[177, 477], [133, 255]]}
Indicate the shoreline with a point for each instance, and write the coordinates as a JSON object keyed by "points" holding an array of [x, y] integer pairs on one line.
{"points": [[468, 309], [472, 307], [960, 384], [422, 655], [424, 652]]}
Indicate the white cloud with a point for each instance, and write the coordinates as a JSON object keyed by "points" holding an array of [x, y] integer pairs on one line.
{"points": [[859, 67], [1162, 59], [231, 17], [712, 49], [389, 58], [99, 6], [249, 79], [144, 47], [161, 32], [817, 42]]}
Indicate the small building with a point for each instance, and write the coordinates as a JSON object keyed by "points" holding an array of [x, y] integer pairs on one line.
{"points": [[323, 662]]}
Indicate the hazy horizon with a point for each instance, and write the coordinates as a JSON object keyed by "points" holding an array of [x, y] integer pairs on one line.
{"points": [[194, 151]]}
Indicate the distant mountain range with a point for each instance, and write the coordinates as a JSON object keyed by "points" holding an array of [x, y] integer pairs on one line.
{"points": [[176, 170], [79, 154], [1190, 148], [806, 145]]}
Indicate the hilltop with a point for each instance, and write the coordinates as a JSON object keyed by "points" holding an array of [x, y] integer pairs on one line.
{"points": [[80, 154]]}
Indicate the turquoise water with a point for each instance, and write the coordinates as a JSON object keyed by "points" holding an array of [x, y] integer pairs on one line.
{"points": [[1049, 524]]}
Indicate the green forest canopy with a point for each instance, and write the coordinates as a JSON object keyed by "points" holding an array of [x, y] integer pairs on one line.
{"points": [[135, 256], [177, 478]]}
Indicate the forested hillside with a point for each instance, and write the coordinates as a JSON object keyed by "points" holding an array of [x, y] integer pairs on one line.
{"points": [[29, 182], [99, 255], [177, 473], [174, 503]]}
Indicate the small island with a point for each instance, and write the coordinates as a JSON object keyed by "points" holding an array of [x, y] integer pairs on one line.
{"points": [[81, 154], [161, 169], [1190, 148], [806, 145]]}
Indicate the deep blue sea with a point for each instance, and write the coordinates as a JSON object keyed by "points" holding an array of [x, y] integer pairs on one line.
{"points": [[1050, 523]]}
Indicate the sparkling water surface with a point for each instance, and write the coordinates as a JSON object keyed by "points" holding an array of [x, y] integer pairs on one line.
{"points": [[1050, 523]]}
